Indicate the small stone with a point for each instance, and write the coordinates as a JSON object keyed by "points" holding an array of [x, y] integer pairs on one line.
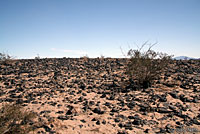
{"points": [[103, 96], [69, 112], [83, 121], [60, 112], [117, 120], [131, 117], [163, 110], [98, 111], [63, 117], [114, 110], [91, 102], [94, 119], [98, 122], [84, 94], [47, 129], [104, 122], [80, 126], [146, 130]]}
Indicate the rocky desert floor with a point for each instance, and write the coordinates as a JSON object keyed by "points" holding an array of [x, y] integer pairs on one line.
{"points": [[92, 96]]}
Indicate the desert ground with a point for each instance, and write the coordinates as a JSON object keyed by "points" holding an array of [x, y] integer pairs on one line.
{"points": [[94, 96]]}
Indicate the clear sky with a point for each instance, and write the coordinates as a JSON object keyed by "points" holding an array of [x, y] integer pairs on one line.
{"points": [[74, 28]]}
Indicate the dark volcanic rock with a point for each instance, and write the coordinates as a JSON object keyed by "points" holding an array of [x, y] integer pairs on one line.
{"points": [[67, 87], [174, 95], [83, 121], [63, 117], [131, 105], [137, 120], [163, 98], [47, 129], [98, 122], [163, 110], [98, 111]]}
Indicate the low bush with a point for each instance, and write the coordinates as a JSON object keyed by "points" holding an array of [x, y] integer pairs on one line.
{"points": [[14, 120], [4, 57], [144, 67]]}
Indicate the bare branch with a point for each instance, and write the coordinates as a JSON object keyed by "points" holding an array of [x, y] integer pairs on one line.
{"points": [[122, 52]]}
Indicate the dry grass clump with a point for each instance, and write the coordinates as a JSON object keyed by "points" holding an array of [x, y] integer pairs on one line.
{"points": [[15, 120], [146, 66]]}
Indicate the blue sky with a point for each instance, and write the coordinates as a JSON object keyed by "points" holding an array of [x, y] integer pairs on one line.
{"points": [[74, 28]]}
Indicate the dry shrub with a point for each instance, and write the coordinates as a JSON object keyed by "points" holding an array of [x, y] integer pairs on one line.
{"points": [[146, 66], [14, 120], [85, 58], [5, 58]]}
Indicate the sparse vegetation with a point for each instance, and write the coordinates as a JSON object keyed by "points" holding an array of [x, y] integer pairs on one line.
{"points": [[85, 58], [14, 120], [146, 66], [37, 57], [5, 58]]}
